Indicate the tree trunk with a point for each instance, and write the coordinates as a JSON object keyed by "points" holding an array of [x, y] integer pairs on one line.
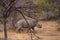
{"points": [[5, 29]]}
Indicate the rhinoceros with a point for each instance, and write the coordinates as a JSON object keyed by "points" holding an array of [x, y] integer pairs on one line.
{"points": [[23, 24]]}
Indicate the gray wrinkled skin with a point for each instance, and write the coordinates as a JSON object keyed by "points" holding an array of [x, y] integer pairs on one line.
{"points": [[23, 24]]}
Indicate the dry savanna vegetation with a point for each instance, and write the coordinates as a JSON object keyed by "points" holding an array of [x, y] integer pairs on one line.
{"points": [[29, 19]]}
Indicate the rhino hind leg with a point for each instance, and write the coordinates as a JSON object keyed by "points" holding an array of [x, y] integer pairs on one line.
{"points": [[18, 30]]}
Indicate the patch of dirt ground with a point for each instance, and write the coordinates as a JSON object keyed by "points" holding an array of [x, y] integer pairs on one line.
{"points": [[47, 32]]}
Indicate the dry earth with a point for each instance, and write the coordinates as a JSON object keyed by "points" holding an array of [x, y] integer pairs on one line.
{"points": [[47, 32]]}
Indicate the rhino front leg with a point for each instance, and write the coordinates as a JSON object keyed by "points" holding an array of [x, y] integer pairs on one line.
{"points": [[33, 30]]}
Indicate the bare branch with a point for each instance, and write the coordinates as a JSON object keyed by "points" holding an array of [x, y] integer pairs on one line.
{"points": [[5, 13]]}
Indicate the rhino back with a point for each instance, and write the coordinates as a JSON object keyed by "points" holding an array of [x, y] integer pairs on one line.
{"points": [[23, 23], [30, 22]]}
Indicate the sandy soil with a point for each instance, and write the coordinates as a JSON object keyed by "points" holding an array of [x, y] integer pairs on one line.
{"points": [[47, 32]]}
